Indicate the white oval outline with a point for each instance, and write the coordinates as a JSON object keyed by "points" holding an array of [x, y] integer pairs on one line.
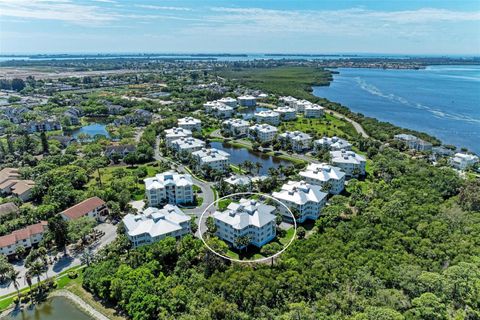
{"points": [[247, 261]]}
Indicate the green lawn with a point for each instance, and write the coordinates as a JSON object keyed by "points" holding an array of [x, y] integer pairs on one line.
{"points": [[326, 126], [253, 253], [62, 280]]}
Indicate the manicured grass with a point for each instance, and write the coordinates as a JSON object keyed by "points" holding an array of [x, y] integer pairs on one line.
{"points": [[326, 126], [253, 252], [223, 204]]}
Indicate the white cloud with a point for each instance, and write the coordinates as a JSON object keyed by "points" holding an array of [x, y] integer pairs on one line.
{"points": [[62, 10], [153, 7]]}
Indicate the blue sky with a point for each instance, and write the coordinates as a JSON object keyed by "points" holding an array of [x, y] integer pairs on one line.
{"points": [[280, 26]]}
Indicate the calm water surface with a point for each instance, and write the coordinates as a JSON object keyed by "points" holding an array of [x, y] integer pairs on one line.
{"points": [[240, 155], [92, 130], [57, 308], [443, 101]]}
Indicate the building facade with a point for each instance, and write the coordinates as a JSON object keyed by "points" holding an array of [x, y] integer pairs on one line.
{"points": [[262, 132], [286, 113], [213, 158], [298, 140], [156, 224], [333, 143], [350, 162], [269, 117], [169, 187], [93, 207], [236, 127], [248, 219], [26, 237], [330, 178], [305, 200], [190, 123]]}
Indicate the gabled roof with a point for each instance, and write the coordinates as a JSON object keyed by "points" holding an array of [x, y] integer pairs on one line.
{"points": [[7, 208], [83, 208], [22, 234]]}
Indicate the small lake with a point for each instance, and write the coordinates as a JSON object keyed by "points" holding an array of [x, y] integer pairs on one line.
{"points": [[239, 155], [92, 130], [57, 308], [247, 113]]}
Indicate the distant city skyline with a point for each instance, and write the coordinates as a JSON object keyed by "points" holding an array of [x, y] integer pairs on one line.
{"points": [[421, 27]]}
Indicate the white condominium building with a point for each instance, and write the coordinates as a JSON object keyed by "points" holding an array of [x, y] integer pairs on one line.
{"points": [[270, 117], [300, 105], [413, 142], [210, 105], [462, 161], [288, 101], [326, 176], [333, 143], [213, 158], [350, 162], [156, 224], [286, 113], [248, 219], [300, 141], [190, 123], [313, 111], [187, 145], [223, 111], [238, 181], [303, 199], [169, 187], [247, 101], [236, 127], [231, 102], [263, 132], [175, 134]]}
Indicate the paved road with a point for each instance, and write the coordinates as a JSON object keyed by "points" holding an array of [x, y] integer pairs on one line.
{"points": [[63, 263], [207, 192], [355, 124]]}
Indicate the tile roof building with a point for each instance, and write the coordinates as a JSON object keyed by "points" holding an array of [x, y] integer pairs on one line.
{"points": [[26, 237], [11, 183], [93, 207]]}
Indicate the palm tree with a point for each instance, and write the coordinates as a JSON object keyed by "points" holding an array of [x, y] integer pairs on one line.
{"points": [[36, 270], [258, 166], [243, 242], [13, 277]]}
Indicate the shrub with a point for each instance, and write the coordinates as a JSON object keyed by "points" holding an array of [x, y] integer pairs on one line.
{"points": [[73, 274]]}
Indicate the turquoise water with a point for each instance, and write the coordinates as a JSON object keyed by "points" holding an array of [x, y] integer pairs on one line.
{"points": [[443, 101], [57, 308], [92, 130]]}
